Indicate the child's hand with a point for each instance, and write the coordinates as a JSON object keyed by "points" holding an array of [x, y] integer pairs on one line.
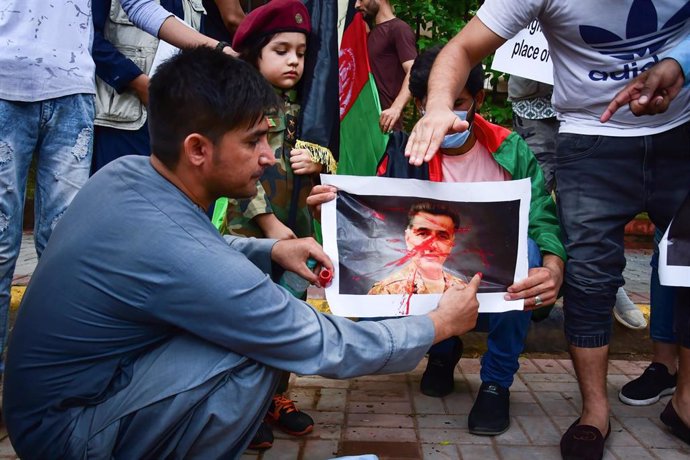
{"points": [[301, 163], [319, 195], [273, 228]]}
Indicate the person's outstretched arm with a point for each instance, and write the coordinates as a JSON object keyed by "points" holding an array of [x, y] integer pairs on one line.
{"points": [[448, 76], [156, 20]]}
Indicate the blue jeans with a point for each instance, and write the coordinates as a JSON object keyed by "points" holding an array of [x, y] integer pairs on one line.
{"points": [[506, 339], [662, 300], [601, 183], [60, 132]]}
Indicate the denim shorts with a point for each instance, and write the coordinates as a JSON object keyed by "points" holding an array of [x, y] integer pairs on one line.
{"points": [[602, 182]]}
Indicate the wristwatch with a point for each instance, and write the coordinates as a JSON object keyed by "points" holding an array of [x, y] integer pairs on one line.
{"points": [[221, 44]]}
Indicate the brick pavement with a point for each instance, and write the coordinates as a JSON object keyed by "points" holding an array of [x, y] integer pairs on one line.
{"points": [[388, 416]]}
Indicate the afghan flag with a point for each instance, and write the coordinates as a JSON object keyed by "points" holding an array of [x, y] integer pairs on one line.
{"points": [[361, 141], [340, 102]]}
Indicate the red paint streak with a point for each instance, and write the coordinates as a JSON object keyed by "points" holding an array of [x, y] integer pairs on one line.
{"points": [[377, 215], [421, 249]]}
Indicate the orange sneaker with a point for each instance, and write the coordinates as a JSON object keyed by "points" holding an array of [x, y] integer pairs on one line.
{"points": [[283, 413]]}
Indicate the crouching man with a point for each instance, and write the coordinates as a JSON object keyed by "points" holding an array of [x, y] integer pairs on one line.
{"points": [[144, 333]]}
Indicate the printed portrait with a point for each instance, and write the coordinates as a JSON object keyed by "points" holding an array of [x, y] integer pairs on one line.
{"points": [[398, 244]]}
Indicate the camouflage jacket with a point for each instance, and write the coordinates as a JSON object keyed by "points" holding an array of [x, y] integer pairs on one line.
{"points": [[407, 281]]}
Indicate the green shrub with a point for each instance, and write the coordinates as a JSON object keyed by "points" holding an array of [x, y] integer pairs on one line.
{"points": [[437, 21]]}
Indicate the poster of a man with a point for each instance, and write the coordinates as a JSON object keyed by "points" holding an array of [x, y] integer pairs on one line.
{"points": [[397, 244], [429, 237]]}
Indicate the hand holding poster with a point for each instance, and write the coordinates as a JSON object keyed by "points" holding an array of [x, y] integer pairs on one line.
{"points": [[397, 244], [526, 55]]}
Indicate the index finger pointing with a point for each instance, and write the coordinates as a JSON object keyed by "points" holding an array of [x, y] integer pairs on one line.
{"points": [[475, 282]]}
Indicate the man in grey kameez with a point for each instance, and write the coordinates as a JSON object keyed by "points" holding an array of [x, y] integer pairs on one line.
{"points": [[144, 333]]}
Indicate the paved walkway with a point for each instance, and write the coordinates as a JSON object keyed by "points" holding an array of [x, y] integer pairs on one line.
{"points": [[387, 415]]}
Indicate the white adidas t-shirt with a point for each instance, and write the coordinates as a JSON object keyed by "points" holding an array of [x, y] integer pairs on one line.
{"points": [[597, 47]]}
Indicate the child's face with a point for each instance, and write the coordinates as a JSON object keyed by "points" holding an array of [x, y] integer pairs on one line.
{"points": [[282, 60]]}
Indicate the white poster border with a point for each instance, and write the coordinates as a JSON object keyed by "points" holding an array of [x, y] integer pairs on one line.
{"points": [[389, 305]]}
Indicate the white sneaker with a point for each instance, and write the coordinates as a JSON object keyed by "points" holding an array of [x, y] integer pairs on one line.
{"points": [[627, 313]]}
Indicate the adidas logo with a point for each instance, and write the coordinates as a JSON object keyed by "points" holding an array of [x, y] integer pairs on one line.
{"points": [[627, 71], [642, 39]]}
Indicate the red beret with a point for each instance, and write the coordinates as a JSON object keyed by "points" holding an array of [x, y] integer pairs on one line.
{"points": [[274, 17]]}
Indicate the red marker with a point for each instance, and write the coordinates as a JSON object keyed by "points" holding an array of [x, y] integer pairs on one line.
{"points": [[325, 277]]}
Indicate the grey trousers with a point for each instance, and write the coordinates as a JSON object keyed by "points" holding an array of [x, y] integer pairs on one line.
{"points": [[187, 399], [540, 135]]}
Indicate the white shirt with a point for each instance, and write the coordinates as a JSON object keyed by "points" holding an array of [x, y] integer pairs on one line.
{"points": [[595, 56], [45, 47]]}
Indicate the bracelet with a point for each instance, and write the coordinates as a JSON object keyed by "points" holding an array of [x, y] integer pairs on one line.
{"points": [[221, 45]]}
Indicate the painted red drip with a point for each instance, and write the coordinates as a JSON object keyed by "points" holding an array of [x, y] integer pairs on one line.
{"points": [[410, 288], [405, 304]]}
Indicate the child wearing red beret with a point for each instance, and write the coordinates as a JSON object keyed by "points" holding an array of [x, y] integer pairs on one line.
{"points": [[273, 38]]}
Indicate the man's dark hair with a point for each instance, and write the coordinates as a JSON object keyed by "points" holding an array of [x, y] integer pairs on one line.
{"points": [[419, 74], [437, 209], [205, 91]]}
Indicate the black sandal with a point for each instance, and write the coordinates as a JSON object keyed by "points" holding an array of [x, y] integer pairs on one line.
{"points": [[583, 442], [671, 419]]}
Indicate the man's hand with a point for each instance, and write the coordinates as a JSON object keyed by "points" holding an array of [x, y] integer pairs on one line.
{"points": [[544, 281], [140, 86], [650, 92], [428, 133], [293, 254], [319, 195], [302, 164], [457, 310], [389, 118]]}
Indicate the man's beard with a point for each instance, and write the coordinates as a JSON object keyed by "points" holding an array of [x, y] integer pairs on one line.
{"points": [[370, 14]]}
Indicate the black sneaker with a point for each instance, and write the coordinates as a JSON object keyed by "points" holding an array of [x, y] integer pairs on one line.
{"points": [[263, 439], [283, 413], [490, 414], [654, 383], [437, 380]]}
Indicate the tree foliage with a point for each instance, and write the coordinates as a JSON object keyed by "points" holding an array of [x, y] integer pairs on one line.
{"points": [[437, 21]]}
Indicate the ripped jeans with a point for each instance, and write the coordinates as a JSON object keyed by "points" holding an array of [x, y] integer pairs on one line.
{"points": [[60, 132]]}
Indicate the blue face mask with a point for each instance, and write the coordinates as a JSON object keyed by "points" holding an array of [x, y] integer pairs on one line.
{"points": [[457, 140]]}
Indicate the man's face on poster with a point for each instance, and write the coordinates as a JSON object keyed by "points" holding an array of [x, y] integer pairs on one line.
{"points": [[430, 237]]}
